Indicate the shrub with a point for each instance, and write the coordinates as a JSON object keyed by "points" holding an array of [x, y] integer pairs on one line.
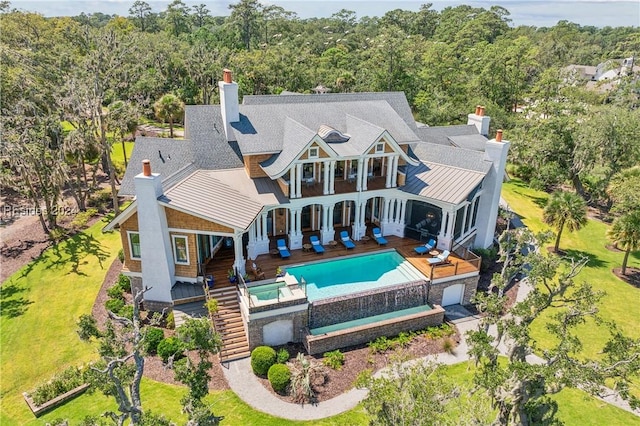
{"points": [[126, 311], [115, 292], [69, 379], [87, 327], [305, 376], [101, 200], [81, 219], [488, 255], [448, 345], [282, 356], [171, 321], [262, 358], [123, 283], [212, 306], [153, 336], [381, 344], [168, 347], [114, 305], [279, 377], [333, 359], [121, 256]]}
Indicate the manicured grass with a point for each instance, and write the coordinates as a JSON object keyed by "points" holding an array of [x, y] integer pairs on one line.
{"points": [[40, 305], [116, 152], [590, 241]]}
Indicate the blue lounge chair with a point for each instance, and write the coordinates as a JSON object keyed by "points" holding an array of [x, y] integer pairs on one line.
{"points": [[282, 248], [315, 243], [441, 258], [426, 248], [377, 234], [346, 240]]}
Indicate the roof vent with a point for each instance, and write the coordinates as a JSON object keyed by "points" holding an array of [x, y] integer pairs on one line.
{"points": [[331, 135]]}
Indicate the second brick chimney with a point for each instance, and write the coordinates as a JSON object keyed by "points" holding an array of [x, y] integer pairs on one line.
{"points": [[479, 120]]}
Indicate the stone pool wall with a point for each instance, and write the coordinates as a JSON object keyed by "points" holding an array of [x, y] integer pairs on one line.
{"points": [[378, 301], [365, 333]]}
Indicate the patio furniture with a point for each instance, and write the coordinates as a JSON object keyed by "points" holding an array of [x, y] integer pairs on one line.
{"points": [[315, 243], [441, 258], [377, 234], [346, 240], [425, 248], [282, 248]]}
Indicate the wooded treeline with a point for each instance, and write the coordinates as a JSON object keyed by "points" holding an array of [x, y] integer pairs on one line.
{"points": [[101, 73]]}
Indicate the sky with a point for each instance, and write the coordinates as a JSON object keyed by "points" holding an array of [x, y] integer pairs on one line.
{"points": [[540, 13]]}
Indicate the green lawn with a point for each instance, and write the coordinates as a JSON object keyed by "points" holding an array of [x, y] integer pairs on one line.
{"points": [[621, 299], [116, 152]]}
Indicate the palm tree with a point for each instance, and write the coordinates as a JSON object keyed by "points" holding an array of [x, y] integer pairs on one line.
{"points": [[565, 208], [168, 108], [625, 233]]}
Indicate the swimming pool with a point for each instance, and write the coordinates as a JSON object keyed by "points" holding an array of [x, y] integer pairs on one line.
{"points": [[270, 291], [353, 274]]}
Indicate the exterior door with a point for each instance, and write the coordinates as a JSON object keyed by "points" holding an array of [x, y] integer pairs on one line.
{"points": [[452, 295]]}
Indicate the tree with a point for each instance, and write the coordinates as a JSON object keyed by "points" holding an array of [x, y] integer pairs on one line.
{"points": [[200, 15], [245, 16], [141, 13], [420, 393], [198, 335], [177, 18], [624, 190], [121, 343], [625, 233], [123, 119], [565, 209], [520, 389], [169, 108]]}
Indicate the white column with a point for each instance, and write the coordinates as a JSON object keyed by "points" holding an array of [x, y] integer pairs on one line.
{"points": [[385, 211], [299, 180], [292, 222], [292, 182], [298, 222], [239, 262], [394, 175], [388, 168], [403, 210], [265, 231], [332, 177], [325, 178], [365, 174], [359, 175], [443, 221], [464, 219]]}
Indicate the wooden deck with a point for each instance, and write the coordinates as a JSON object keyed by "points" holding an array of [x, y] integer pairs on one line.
{"points": [[269, 263]]}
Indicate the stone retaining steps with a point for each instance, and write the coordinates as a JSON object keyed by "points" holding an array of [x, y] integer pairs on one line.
{"points": [[228, 323]]}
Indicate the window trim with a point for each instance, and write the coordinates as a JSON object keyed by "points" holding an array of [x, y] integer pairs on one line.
{"points": [[381, 146], [131, 256], [314, 149], [175, 253]]}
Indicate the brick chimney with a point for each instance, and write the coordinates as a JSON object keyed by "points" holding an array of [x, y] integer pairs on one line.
{"points": [[479, 120], [229, 102]]}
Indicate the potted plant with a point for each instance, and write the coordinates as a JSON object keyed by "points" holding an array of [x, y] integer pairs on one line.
{"points": [[279, 272], [246, 278], [231, 274]]}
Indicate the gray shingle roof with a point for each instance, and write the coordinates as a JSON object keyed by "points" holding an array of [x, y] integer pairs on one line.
{"points": [[441, 134], [261, 127], [397, 101], [474, 142], [204, 147], [298, 136], [451, 156]]}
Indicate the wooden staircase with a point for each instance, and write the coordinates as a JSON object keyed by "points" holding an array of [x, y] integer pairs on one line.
{"points": [[228, 323]]}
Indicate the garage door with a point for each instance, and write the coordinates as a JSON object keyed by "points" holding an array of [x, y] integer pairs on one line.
{"points": [[452, 295]]}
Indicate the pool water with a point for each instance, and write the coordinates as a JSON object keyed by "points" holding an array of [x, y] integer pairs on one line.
{"points": [[344, 276], [270, 291]]}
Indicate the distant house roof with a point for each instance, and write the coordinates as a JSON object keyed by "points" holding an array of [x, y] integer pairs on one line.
{"points": [[228, 196]]}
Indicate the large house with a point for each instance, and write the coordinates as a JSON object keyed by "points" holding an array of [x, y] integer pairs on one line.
{"points": [[279, 167]]}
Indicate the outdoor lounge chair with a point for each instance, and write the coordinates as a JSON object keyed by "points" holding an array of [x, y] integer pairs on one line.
{"points": [[426, 248], [282, 248], [346, 240], [377, 234], [315, 243], [441, 258]]}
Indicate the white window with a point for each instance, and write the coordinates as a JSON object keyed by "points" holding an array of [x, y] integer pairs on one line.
{"points": [[379, 147], [313, 152], [134, 244], [180, 249]]}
